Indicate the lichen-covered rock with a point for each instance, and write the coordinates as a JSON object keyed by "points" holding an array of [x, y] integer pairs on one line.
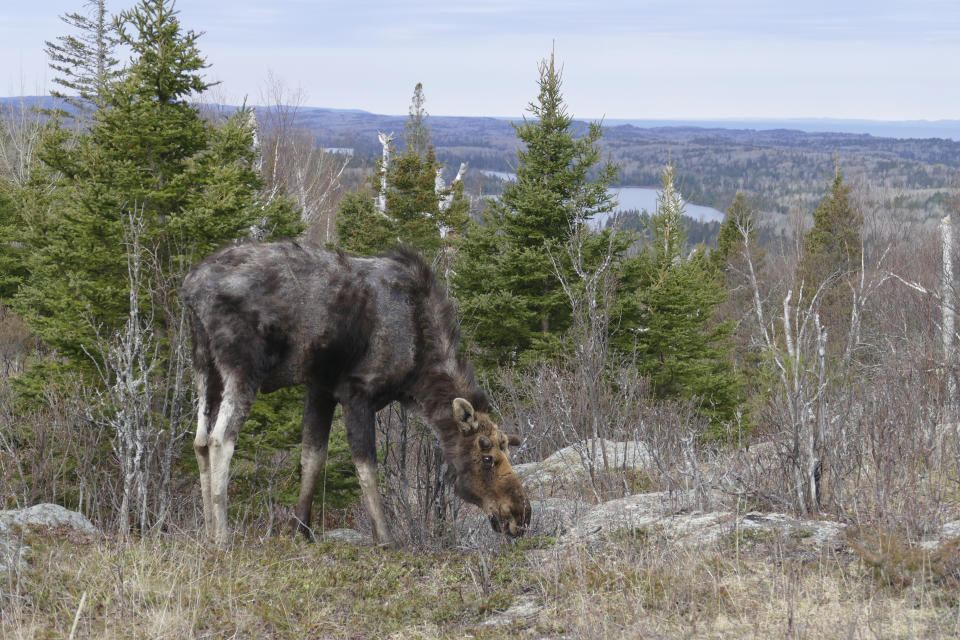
{"points": [[13, 553], [552, 517], [572, 465], [47, 515], [675, 516], [348, 536], [949, 533], [524, 607]]}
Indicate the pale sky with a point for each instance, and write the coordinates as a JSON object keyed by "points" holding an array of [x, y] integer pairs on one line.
{"points": [[649, 59]]}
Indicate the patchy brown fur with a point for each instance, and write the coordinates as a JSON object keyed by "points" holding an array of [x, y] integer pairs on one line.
{"points": [[361, 332]]}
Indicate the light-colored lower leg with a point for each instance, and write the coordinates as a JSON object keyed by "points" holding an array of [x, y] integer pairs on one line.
{"points": [[203, 463], [221, 444], [367, 474], [312, 460], [219, 481], [203, 457]]}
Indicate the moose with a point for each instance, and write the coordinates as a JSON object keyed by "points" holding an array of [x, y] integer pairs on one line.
{"points": [[361, 332]]}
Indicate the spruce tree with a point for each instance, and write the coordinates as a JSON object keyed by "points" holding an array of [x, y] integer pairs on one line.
{"points": [[417, 215], [416, 134], [514, 307], [148, 150], [85, 60], [730, 240], [832, 252], [680, 343]]}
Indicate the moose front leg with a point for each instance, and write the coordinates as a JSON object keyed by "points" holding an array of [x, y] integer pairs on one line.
{"points": [[361, 436], [317, 416]]}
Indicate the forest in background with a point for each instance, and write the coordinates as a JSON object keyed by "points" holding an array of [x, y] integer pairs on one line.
{"points": [[819, 325]]}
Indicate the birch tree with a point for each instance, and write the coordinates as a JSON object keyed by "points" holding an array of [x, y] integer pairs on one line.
{"points": [[294, 163]]}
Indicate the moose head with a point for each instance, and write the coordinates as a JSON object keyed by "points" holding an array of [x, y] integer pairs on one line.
{"points": [[484, 475]]}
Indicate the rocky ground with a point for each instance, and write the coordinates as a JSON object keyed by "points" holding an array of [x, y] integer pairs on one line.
{"points": [[648, 564]]}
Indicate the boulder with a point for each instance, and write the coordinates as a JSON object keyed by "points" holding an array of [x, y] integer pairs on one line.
{"points": [[674, 516], [949, 534], [571, 466], [552, 517], [13, 552], [45, 515], [347, 536]]}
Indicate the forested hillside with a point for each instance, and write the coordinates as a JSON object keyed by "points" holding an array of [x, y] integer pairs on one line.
{"points": [[780, 170]]}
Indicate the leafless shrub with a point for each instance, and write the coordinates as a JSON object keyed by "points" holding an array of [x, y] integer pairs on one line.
{"points": [[592, 394], [143, 401], [418, 498], [295, 163], [849, 428], [21, 129], [51, 454]]}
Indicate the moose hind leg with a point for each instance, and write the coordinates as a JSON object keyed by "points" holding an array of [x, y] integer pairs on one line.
{"points": [[317, 416], [233, 410], [359, 421], [209, 392]]}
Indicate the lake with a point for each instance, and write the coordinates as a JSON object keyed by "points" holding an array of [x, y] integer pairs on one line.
{"points": [[638, 199]]}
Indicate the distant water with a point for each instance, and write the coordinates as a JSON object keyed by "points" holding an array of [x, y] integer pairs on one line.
{"points": [[638, 199]]}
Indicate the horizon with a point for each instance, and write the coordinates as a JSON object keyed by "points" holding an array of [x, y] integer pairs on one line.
{"points": [[648, 60], [621, 120], [897, 129]]}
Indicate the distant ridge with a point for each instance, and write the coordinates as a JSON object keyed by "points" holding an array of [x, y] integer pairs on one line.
{"points": [[901, 129]]}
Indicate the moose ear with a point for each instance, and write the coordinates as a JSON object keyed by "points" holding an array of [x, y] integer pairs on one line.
{"points": [[513, 440], [464, 415]]}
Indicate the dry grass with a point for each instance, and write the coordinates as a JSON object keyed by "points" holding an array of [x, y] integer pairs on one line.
{"points": [[625, 587]]}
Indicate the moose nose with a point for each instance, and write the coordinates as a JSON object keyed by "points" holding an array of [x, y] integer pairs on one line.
{"points": [[513, 522]]}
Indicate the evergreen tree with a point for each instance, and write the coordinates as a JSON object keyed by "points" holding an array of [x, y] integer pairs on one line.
{"points": [[416, 135], [680, 343], [85, 60], [148, 150], [361, 229], [832, 252], [417, 214], [730, 239], [514, 306], [731, 259]]}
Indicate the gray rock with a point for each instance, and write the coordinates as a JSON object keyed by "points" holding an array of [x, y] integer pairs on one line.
{"points": [[818, 533], [950, 529], [47, 515], [674, 517], [551, 517], [948, 532], [13, 553], [572, 465], [523, 607], [347, 536]]}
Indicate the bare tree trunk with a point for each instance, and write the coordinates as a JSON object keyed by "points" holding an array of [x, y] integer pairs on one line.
{"points": [[947, 308], [381, 201]]}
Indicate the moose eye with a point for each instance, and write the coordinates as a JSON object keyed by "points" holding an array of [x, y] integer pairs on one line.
{"points": [[488, 461]]}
